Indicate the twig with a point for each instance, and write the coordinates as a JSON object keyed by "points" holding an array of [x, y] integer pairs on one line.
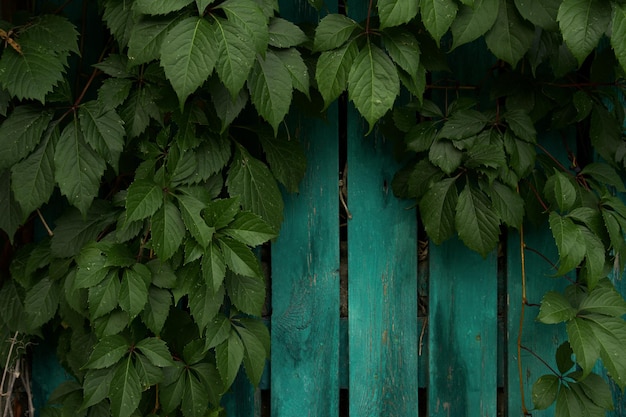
{"points": [[521, 320], [6, 365], [25, 376], [45, 225], [542, 361]]}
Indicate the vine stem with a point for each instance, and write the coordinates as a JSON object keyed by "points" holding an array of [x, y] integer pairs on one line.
{"points": [[556, 161], [521, 319], [6, 368], [45, 224], [369, 14]]}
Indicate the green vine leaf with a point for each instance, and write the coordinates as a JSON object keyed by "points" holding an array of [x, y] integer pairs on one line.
{"points": [[250, 179], [228, 356], [254, 355], [78, 168], [250, 19], [125, 391], [107, 352], [246, 292], [584, 343], [239, 258], [156, 351], [618, 33], [299, 72], [569, 241], [194, 401], [168, 230], [437, 16], [610, 334], [270, 88], [217, 331], [604, 299], [544, 391], [510, 37], [286, 159], [333, 31], [583, 22], [147, 39], [96, 386], [213, 266], [542, 13], [191, 209], [332, 70], [396, 12], [284, 34], [373, 83], [103, 297], [134, 290], [204, 304], [157, 309], [404, 50], [437, 209], [156, 7], [21, 132], [235, 56], [188, 55], [476, 222], [103, 130], [555, 308], [41, 302], [144, 198], [249, 229], [473, 21], [32, 179]]}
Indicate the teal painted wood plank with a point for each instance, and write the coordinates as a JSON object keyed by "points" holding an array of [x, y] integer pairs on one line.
{"points": [[242, 400], [382, 282], [462, 332], [541, 339], [305, 273], [305, 285]]}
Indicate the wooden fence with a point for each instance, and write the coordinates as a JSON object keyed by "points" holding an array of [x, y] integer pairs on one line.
{"points": [[369, 319]]}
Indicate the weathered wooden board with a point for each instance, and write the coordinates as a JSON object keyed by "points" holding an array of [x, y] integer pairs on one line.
{"points": [[305, 274], [382, 282], [462, 332]]}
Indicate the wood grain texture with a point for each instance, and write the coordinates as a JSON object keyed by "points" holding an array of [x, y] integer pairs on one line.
{"points": [[382, 283], [462, 332], [242, 400], [305, 273]]}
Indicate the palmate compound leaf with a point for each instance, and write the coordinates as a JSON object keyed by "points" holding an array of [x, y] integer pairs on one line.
{"points": [[403, 49], [107, 352], [396, 12], [474, 21], [332, 70], [41, 302], [373, 83], [190, 208], [156, 351], [476, 221], [246, 293], [143, 199], [188, 55], [540, 12], [619, 33], [239, 258], [252, 181], [254, 355], [78, 167], [270, 88], [213, 266], [298, 70], [511, 36], [21, 132], [437, 16], [437, 209], [249, 229], [583, 22], [134, 290]]}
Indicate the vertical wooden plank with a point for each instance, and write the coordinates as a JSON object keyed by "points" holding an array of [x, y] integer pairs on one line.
{"points": [[462, 332], [382, 283], [305, 285], [242, 400], [382, 277], [305, 275]]}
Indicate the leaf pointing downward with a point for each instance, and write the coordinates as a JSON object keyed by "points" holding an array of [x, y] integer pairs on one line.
{"points": [[188, 55], [373, 83]]}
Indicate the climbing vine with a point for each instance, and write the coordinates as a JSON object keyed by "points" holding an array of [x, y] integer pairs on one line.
{"points": [[153, 167]]}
